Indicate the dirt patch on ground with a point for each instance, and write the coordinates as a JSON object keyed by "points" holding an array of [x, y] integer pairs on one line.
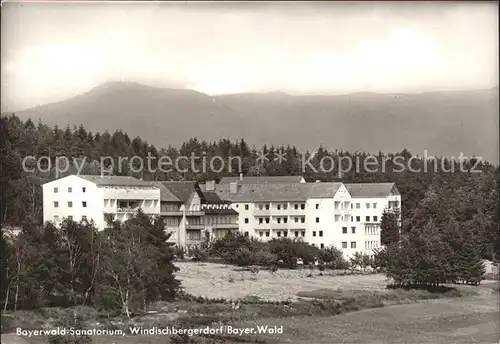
{"points": [[224, 281]]}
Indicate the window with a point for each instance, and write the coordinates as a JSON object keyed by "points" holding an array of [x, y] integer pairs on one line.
{"points": [[320, 233], [267, 234], [246, 219], [84, 204], [56, 204], [302, 220], [317, 206], [246, 206], [344, 230], [375, 219], [352, 205], [353, 244], [285, 206], [367, 219], [70, 218], [322, 245], [261, 220], [278, 234], [303, 233], [56, 190], [314, 233], [260, 206], [285, 234], [70, 189], [353, 230], [296, 219], [358, 205], [296, 234], [267, 206], [374, 205], [344, 244], [246, 233], [84, 217], [358, 218], [278, 219], [237, 205], [317, 220], [352, 218], [267, 219], [261, 233], [302, 206], [56, 218], [296, 206], [84, 189], [367, 205], [279, 206], [285, 219], [70, 204]]}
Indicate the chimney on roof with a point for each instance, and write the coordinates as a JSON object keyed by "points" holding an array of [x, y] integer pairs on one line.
{"points": [[210, 185], [233, 188], [241, 176]]}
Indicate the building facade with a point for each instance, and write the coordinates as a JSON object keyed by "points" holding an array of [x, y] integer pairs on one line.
{"points": [[346, 216], [98, 198], [189, 214]]}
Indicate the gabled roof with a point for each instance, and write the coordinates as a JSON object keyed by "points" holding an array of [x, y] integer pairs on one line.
{"points": [[262, 180], [372, 190], [115, 180], [182, 190], [321, 190], [165, 194], [286, 192]]}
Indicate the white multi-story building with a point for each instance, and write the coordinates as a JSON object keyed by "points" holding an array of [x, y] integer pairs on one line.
{"points": [[187, 211], [323, 214], [368, 203], [98, 198], [346, 216]]}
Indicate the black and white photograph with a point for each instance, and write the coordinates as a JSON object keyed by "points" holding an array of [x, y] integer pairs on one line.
{"points": [[227, 172]]}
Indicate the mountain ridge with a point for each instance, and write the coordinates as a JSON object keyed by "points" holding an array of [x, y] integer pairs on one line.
{"points": [[443, 123]]}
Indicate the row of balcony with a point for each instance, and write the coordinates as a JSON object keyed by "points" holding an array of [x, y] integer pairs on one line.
{"points": [[199, 226], [292, 212]]}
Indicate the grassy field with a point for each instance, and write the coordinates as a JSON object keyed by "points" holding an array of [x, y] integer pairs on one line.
{"points": [[230, 282], [321, 309]]}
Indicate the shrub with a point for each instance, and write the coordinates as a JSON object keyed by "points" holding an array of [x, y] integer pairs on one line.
{"points": [[228, 246], [263, 257], [179, 252], [243, 257], [333, 257], [199, 254], [289, 251]]}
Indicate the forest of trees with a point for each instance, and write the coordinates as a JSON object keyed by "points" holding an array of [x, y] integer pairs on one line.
{"points": [[449, 219], [122, 269]]}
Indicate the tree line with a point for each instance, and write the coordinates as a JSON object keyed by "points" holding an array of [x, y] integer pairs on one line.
{"points": [[121, 270]]}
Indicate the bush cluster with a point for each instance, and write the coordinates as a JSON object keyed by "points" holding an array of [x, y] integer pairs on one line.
{"points": [[235, 248]]}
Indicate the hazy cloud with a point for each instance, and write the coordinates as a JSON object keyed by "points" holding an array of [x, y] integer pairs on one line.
{"points": [[53, 51]]}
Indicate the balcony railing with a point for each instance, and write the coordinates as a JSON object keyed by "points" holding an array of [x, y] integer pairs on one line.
{"points": [[171, 213], [224, 225], [278, 226], [194, 213], [195, 226], [128, 210], [263, 212]]}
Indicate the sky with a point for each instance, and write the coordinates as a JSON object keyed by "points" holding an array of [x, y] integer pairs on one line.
{"points": [[53, 51]]}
